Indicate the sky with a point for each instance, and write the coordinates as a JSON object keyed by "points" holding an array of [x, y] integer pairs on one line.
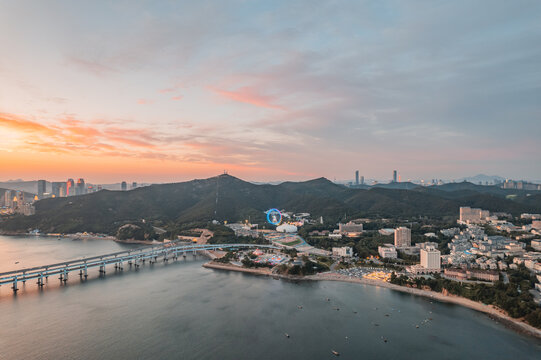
{"points": [[164, 91]]}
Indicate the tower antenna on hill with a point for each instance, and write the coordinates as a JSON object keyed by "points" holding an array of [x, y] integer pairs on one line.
{"points": [[217, 187]]}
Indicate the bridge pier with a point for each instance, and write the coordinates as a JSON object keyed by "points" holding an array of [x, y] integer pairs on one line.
{"points": [[41, 274], [14, 287]]}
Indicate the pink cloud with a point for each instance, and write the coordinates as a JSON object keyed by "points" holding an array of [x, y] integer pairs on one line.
{"points": [[250, 95], [177, 98], [144, 102]]}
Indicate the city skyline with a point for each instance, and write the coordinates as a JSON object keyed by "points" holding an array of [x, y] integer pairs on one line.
{"points": [[170, 92]]}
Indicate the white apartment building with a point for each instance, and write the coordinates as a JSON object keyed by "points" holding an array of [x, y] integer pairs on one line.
{"points": [[430, 258]]}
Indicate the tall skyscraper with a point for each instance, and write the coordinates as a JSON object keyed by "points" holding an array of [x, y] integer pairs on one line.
{"points": [[8, 198], [56, 188], [362, 180], [133, 185], [357, 177], [81, 188], [394, 175], [70, 187], [402, 237], [42, 188], [124, 186]]}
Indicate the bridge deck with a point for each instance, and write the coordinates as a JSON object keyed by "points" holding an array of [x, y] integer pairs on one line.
{"points": [[117, 258]]}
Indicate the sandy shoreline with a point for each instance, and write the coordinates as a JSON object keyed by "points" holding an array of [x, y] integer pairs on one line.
{"points": [[493, 312]]}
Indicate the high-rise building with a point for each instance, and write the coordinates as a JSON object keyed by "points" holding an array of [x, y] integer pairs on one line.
{"points": [[81, 188], [42, 188], [430, 258], [394, 175], [133, 185], [70, 187], [357, 177], [56, 188], [124, 186], [362, 180], [402, 237], [8, 198]]}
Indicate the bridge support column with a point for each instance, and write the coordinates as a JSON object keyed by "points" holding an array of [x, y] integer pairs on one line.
{"points": [[102, 269], [14, 287], [40, 280], [65, 276], [24, 277], [85, 271]]}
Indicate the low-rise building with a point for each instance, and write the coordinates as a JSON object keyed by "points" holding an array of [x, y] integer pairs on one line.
{"points": [[536, 244], [470, 215], [465, 274], [387, 251], [344, 251], [350, 228]]}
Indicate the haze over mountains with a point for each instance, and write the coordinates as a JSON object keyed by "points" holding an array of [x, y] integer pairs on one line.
{"points": [[228, 198]]}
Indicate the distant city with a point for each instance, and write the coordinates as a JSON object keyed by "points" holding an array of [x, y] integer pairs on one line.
{"points": [[22, 202], [359, 181]]}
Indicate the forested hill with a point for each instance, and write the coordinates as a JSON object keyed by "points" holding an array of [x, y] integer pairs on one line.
{"points": [[228, 198]]}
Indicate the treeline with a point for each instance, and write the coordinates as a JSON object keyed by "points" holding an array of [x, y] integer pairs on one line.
{"points": [[513, 297]]}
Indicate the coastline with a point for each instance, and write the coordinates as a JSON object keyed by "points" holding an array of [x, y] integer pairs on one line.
{"points": [[493, 312]]}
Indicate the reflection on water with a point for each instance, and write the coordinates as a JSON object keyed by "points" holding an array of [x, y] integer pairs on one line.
{"points": [[182, 310]]}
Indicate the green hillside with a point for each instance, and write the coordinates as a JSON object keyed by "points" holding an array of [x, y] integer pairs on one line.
{"points": [[228, 198]]}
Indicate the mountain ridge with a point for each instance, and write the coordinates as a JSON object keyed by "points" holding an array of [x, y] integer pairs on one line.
{"points": [[227, 198]]}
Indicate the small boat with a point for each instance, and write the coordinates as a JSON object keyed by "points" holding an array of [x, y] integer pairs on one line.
{"points": [[384, 339], [417, 326], [347, 338], [335, 353], [16, 262], [375, 324], [355, 312], [299, 306], [387, 315], [328, 299], [287, 335]]}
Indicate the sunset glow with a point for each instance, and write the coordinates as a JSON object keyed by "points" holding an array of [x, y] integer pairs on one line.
{"points": [[187, 90]]}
